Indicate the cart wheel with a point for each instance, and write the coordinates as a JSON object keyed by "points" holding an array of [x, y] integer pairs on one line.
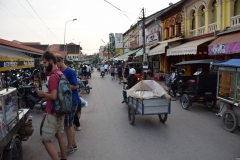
{"points": [[131, 114], [14, 153], [163, 117], [230, 122], [88, 91], [211, 105], [185, 102]]}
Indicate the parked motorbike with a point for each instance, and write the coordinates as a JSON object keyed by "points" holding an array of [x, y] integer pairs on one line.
{"points": [[83, 84], [173, 85], [28, 98]]}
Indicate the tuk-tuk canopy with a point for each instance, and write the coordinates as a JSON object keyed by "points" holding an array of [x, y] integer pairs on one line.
{"points": [[235, 63]]}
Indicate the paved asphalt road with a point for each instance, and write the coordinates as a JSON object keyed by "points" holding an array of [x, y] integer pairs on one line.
{"points": [[106, 134]]}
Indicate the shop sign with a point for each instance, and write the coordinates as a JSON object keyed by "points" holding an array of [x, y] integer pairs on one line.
{"points": [[133, 44], [152, 38], [228, 48], [15, 64]]}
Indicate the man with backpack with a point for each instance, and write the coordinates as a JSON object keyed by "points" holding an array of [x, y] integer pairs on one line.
{"points": [[69, 118], [53, 124]]}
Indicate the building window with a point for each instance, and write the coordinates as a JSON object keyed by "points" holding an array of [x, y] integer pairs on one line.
{"points": [[202, 17], [237, 8], [193, 21], [213, 18]]}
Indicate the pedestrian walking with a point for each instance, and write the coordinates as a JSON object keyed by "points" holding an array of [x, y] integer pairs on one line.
{"points": [[69, 118], [116, 73], [77, 117], [53, 124], [112, 70]]}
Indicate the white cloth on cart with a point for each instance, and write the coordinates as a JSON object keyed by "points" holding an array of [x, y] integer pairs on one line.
{"points": [[147, 89]]}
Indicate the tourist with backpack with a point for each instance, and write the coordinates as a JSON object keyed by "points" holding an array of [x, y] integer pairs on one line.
{"points": [[69, 118], [53, 124]]}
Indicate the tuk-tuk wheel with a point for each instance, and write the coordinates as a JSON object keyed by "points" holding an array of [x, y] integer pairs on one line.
{"points": [[230, 122], [185, 101], [163, 117], [131, 114]]}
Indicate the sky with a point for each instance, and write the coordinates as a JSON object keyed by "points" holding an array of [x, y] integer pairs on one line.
{"points": [[44, 21]]}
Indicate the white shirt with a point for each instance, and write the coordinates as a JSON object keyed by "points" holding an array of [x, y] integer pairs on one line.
{"points": [[102, 69], [106, 66], [88, 68], [172, 76]]}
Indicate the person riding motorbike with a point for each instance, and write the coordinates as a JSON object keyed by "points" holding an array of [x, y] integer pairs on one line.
{"points": [[175, 81], [131, 81]]}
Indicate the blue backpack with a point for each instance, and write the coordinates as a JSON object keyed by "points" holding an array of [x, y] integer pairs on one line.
{"points": [[63, 104]]}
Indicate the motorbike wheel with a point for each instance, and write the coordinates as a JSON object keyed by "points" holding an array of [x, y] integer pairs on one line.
{"points": [[170, 92], [163, 117], [131, 114], [185, 101], [230, 121], [88, 91]]}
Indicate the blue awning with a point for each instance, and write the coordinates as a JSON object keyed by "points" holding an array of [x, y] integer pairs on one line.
{"points": [[230, 63]]}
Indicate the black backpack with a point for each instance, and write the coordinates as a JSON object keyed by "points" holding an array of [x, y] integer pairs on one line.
{"points": [[63, 104], [119, 68]]}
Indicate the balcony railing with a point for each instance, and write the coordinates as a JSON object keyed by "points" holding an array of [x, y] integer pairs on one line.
{"points": [[212, 27], [201, 30], [235, 21], [192, 33]]}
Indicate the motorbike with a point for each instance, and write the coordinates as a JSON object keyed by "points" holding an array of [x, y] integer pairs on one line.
{"points": [[102, 74], [83, 84], [171, 90], [28, 98]]}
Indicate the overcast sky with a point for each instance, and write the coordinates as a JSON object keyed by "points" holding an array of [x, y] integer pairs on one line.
{"points": [[44, 20]]}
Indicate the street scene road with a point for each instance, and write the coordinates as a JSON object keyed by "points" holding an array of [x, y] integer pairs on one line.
{"points": [[107, 135]]}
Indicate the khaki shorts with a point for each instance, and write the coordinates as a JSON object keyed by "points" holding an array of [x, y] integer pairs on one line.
{"points": [[51, 126]]}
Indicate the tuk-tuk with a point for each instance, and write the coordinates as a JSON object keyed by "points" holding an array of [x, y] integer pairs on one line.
{"points": [[199, 87]]}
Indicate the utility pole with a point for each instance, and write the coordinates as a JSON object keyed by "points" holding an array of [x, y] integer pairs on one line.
{"points": [[145, 60]]}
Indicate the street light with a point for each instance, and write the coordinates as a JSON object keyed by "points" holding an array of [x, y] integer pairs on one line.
{"points": [[65, 32]]}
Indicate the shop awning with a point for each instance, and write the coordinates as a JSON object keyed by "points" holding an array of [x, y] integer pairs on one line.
{"points": [[140, 52], [160, 49], [171, 40], [125, 56], [187, 48], [226, 44]]}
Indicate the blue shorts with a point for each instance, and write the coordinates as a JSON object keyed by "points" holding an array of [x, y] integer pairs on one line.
{"points": [[69, 118]]}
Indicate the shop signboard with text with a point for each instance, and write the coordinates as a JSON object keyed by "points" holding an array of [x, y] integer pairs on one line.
{"points": [[229, 48], [118, 40], [153, 38]]}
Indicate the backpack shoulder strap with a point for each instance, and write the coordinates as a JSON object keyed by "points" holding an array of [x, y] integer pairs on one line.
{"points": [[58, 75]]}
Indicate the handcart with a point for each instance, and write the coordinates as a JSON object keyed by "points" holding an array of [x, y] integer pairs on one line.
{"points": [[15, 124], [228, 92], [148, 98]]}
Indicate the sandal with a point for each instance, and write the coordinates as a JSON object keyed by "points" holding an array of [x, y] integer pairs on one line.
{"points": [[78, 128]]}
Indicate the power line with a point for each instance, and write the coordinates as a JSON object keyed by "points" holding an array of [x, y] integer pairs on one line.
{"points": [[42, 21], [22, 22], [30, 13], [118, 9]]}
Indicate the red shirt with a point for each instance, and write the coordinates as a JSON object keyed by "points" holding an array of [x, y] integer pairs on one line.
{"points": [[52, 85]]}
